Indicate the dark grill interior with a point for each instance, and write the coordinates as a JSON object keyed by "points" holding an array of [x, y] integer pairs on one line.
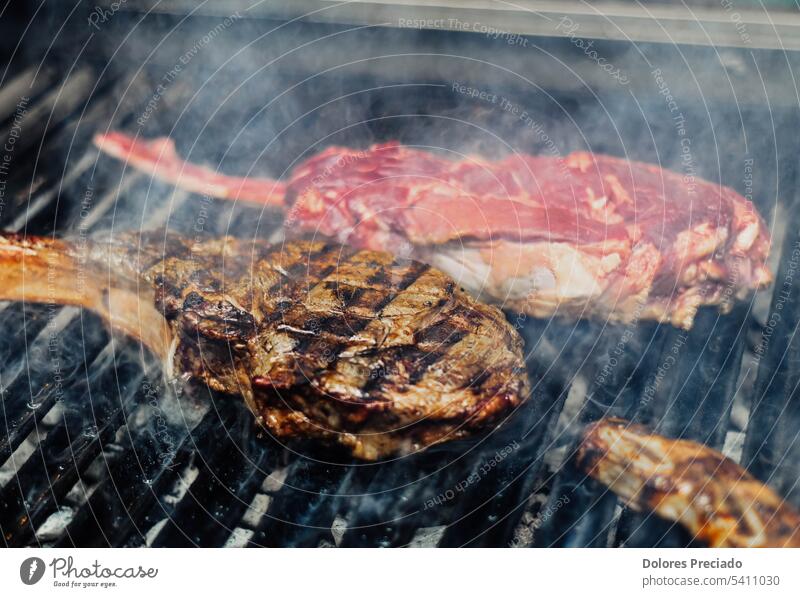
{"points": [[97, 451]]}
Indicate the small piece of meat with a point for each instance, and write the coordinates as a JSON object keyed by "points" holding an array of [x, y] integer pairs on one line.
{"points": [[382, 356], [583, 236], [689, 483]]}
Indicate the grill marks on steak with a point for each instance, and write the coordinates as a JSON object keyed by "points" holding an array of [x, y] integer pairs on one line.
{"points": [[381, 355], [378, 354]]}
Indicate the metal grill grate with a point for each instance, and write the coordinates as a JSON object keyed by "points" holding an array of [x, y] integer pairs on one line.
{"points": [[98, 452]]}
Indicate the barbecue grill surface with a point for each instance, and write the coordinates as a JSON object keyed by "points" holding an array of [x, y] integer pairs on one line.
{"points": [[99, 450]]}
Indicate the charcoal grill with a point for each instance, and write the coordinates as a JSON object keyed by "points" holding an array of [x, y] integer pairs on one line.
{"points": [[98, 450]]}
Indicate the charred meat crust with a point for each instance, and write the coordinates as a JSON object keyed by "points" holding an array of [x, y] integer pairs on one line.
{"points": [[381, 355], [712, 496]]}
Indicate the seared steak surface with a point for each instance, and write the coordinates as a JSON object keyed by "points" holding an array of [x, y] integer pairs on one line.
{"points": [[382, 356]]}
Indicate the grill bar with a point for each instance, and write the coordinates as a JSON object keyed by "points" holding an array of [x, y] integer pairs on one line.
{"points": [[33, 321], [28, 84], [302, 511], [389, 511], [703, 389], [134, 493], [695, 403], [56, 106], [23, 406], [502, 480], [221, 493], [44, 479], [772, 443], [615, 387], [107, 419]]}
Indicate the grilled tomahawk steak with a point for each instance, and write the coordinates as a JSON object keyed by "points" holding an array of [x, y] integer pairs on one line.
{"points": [[681, 480], [322, 341]]}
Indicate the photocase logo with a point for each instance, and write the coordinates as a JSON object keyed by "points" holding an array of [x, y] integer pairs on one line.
{"points": [[31, 570]]}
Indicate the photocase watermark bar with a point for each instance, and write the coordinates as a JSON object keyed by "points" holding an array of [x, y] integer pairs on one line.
{"points": [[65, 573], [603, 571]]}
